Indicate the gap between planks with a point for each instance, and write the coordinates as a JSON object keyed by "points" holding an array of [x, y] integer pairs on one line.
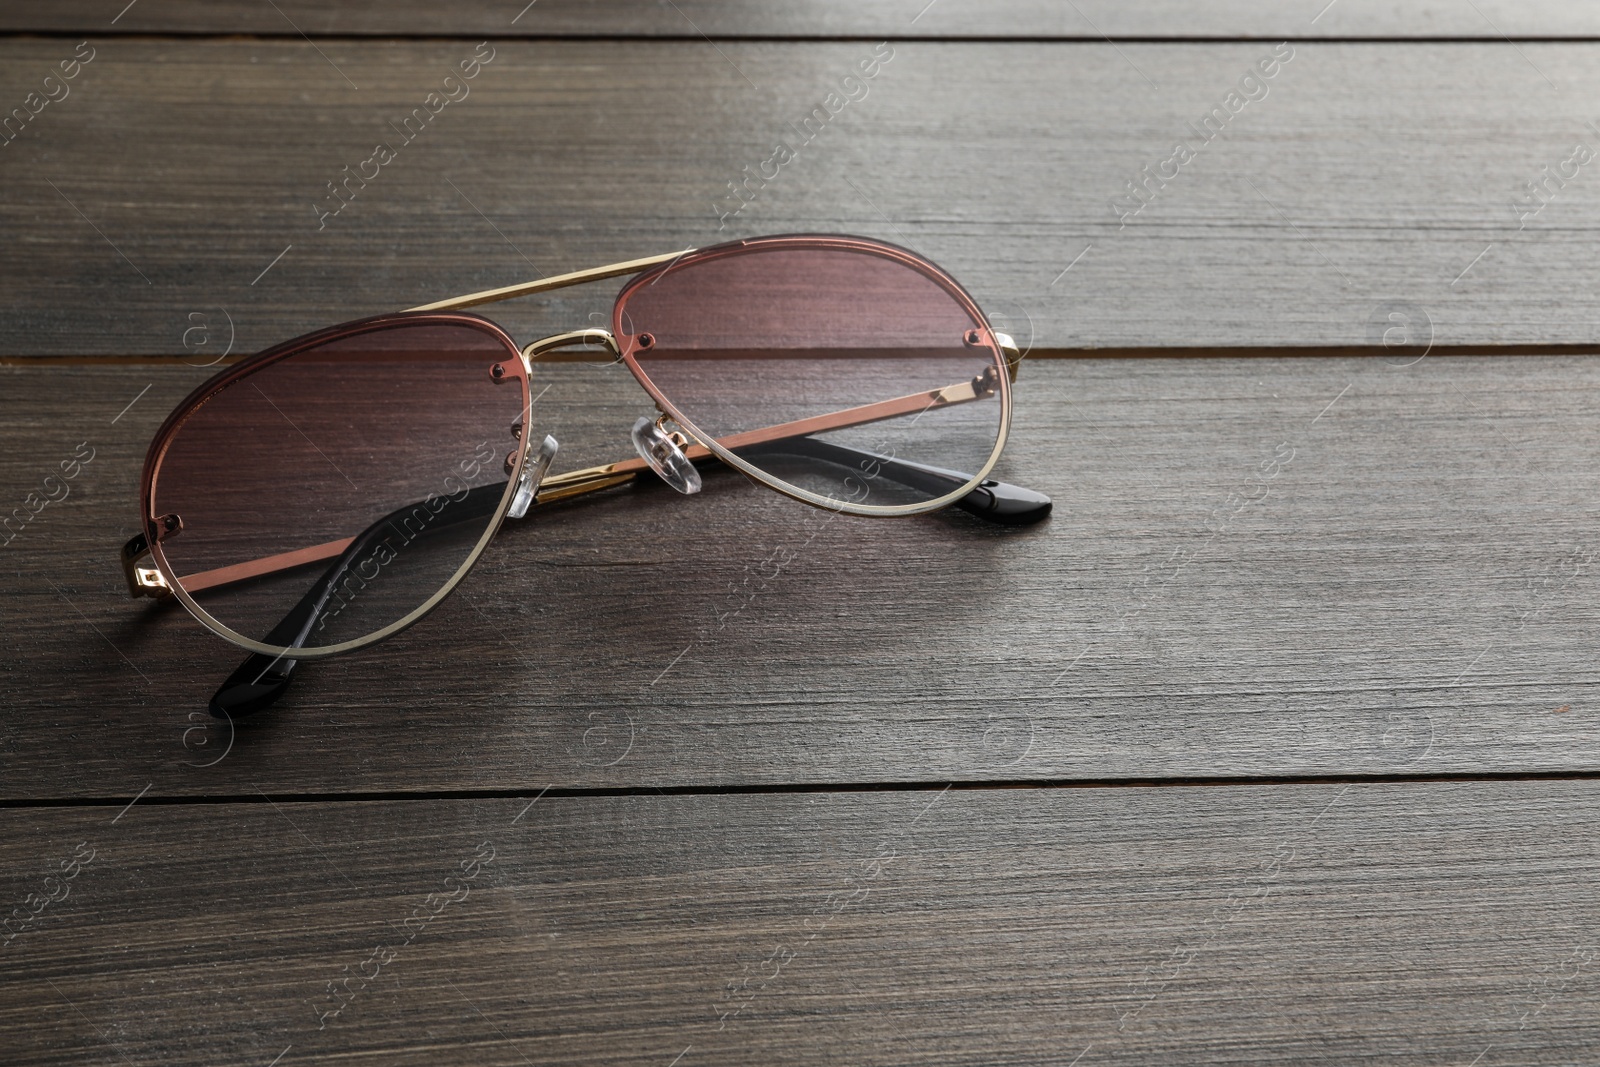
{"points": [[554, 792], [1241, 352]]}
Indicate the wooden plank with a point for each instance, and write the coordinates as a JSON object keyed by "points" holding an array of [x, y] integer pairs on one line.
{"points": [[180, 184], [1409, 592], [1416, 924], [1088, 20]]}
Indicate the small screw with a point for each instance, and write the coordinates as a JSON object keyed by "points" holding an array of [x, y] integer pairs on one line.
{"points": [[497, 373], [647, 340], [973, 337]]}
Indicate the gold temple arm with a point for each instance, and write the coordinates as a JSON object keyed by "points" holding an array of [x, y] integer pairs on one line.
{"points": [[147, 581], [590, 479]]}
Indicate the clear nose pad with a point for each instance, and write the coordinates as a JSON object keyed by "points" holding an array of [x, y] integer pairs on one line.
{"points": [[532, 475], [658, 449]]}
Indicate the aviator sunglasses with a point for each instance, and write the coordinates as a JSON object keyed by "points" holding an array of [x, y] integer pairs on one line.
{"points": [[330, 491]]}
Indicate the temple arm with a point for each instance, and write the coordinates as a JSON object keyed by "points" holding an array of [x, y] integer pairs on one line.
{"points": [[148, 581], [994, 500], [997, 501], [261, 679]]}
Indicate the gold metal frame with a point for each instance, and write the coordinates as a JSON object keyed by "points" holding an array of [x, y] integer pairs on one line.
{"points": [[161, 582]]}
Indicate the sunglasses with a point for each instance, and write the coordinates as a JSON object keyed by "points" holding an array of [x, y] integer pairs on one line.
{"points": [[330, 491]]}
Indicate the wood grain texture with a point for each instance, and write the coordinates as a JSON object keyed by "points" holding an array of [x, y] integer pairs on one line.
{"points": [[1410, 592], [1083, 20], [187, 177], [1411, 924], [1359, 567]]}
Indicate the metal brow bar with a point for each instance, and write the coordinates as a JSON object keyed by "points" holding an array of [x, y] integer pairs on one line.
{"points": [[559, 281], [593, 479], [1013, 355]]}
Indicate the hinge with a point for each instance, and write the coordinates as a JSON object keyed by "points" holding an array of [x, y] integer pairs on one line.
{"points": [[142, 581], [1009, 349]]}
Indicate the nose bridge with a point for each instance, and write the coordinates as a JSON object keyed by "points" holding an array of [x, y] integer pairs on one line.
{"points": [[593, 337], [660, 450]]}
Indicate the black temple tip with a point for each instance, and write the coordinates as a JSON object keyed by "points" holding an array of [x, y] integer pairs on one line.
{"points": [[255, 686], [1005, 504]]}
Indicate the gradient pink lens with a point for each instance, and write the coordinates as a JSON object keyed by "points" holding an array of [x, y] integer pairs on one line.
{"points": [[398, 431], [881, 360]]}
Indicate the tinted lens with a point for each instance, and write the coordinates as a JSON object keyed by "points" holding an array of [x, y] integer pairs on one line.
{"points": [[886, 382], [362, 470]]}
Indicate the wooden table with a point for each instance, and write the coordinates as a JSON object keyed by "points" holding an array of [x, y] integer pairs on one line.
{"points": [[1276, 743]]}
